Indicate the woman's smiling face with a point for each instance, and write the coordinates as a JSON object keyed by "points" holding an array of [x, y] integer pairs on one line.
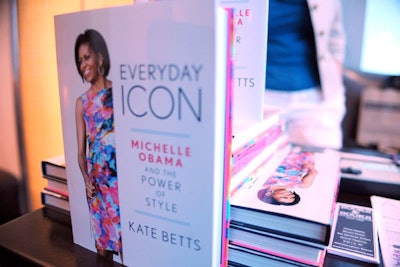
{"points": [[88, 63], [283, 196]]}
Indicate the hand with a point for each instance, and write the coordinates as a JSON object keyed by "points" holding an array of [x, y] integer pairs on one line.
{"points": [[90, 189], [308, 179], [310, 167]]}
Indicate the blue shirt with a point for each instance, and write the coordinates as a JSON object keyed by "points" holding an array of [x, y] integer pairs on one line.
{"points": [[291, 54]]}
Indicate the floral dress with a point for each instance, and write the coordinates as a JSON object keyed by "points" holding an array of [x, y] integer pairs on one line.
{"points": [[102, 169], [291, 171]]}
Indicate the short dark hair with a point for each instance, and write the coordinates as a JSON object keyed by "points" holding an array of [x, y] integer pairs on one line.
{"points": [[97, 43], [271, 200]]}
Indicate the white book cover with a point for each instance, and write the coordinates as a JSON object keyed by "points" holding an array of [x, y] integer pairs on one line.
{"points": [[170, 129], [72, 85], [302, 186], [171, 87], [250, 58]]}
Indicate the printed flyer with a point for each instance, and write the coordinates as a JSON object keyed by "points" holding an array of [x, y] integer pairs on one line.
{"points": [[354, 234]]}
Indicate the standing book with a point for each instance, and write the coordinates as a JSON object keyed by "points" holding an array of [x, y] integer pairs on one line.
{"points": [[249, 44], [250, 57], [171, 89], [294, 197], [171, 129]]}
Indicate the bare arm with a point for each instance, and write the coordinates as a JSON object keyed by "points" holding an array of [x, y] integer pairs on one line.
{"points": [[308, 179], [81, 138]]}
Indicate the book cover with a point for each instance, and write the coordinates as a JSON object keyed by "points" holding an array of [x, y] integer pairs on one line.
{"points": [[293, 197], [54, 168], [170, 132], [250, 57], [354, 234], [71, 30], [250, 22], [171, 82]]}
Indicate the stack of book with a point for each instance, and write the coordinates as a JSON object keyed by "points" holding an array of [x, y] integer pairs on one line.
{"points": [[55, 193], [281, 214], [255, 143]]}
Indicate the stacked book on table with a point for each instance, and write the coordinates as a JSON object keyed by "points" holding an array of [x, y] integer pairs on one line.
{"points": [[255, 143], [282, 199], [55, 193]]}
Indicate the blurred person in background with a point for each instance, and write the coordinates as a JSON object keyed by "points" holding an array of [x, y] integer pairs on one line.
{"points": [[305, 52]]}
